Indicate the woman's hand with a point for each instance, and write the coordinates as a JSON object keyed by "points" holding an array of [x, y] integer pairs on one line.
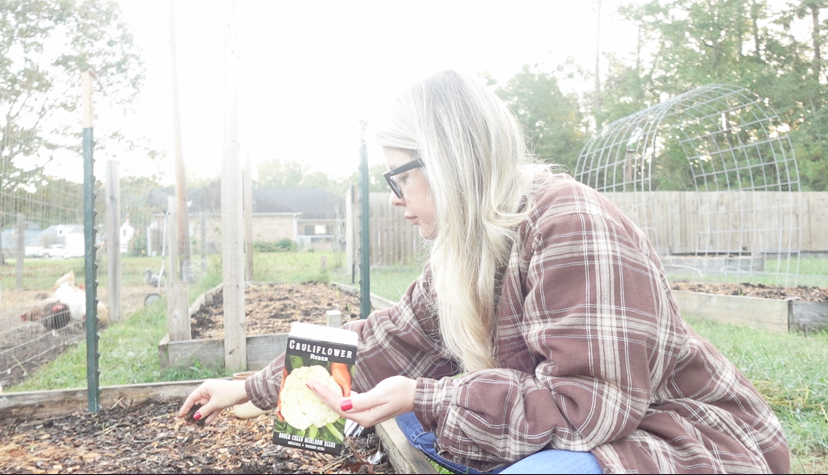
{"points": [[390, 398], [214, 395]]}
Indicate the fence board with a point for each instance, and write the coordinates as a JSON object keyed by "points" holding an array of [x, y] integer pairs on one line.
{"points": [[677, 222], [729, 221]]}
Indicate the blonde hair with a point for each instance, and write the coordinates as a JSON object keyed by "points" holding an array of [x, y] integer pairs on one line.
{"points": [[480, 179]]}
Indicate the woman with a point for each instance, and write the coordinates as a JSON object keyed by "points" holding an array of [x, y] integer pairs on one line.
{"points": [[542, 334]]}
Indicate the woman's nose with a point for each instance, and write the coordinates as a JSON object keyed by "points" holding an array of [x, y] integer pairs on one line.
{"points": [[397, 201]]}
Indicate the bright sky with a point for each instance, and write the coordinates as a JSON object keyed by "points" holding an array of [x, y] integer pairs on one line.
{"points": [[309, 71]]}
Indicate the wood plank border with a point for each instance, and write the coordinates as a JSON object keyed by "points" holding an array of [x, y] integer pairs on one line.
{"points": [[737, 310], [46, 404], [402, 455]]}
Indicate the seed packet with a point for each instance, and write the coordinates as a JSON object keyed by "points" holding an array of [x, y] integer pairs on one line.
{"points": [[324, 354]]}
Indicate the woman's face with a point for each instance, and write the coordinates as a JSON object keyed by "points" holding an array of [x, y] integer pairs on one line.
{"points": [[416, 201]]}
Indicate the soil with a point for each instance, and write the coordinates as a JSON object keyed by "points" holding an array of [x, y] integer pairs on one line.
{"points": [[149, 438], [802, 292], [25, 346], [271, 308]]}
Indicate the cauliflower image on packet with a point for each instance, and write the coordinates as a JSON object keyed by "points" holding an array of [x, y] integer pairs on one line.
{"points": [[322, 354], [301, 408]]}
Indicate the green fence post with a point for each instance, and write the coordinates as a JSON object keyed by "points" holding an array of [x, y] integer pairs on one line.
{"points": [[93, 374]]}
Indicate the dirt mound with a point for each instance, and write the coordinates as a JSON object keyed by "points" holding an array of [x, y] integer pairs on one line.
{"points": [[271, 308]]}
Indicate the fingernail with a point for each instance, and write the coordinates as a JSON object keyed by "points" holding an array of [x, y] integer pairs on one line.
{"points": [[346, 405], [310, 386], [197, 416]]}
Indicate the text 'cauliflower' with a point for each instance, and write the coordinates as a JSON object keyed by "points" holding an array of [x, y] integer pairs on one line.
{"points": [[301, 408]]}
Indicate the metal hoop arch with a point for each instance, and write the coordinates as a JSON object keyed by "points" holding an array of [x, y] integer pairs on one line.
{"points": [[730, 142]]}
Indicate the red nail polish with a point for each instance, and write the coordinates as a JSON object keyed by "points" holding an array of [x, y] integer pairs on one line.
{"points": [[346, 405], [197, 416]]}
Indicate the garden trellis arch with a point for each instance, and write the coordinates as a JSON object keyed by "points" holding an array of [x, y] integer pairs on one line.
{"points": [[711, 177]]}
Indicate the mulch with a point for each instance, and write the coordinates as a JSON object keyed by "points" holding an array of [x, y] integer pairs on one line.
{"points": [[271, 308], [806, 293], [148, 437]]}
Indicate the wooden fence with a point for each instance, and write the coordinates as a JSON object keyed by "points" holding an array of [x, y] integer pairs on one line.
{"points": [[732, 221], [393, 240], [676, 222]]}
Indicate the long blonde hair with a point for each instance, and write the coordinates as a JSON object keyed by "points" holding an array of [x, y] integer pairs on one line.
{"points": [[480, 178]]}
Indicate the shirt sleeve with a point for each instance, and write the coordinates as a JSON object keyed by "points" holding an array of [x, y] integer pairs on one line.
{"points": [[400, 340], [593, 306], [403, 340]]}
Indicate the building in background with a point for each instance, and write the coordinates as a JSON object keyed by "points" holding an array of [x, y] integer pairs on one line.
{"points": [[127, 233], [313, 218]]}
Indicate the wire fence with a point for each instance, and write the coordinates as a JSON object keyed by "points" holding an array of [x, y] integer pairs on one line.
{"points": [[715, 138]]}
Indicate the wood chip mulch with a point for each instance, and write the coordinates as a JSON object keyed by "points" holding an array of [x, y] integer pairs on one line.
{"points": [[271, 308], [148, 437], [809, 294]]}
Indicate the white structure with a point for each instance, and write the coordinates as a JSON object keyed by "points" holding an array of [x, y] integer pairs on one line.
{"points": [[127, 231]]}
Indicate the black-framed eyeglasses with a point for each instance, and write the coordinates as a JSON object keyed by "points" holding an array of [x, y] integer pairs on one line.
{"points": [[395, 187]]}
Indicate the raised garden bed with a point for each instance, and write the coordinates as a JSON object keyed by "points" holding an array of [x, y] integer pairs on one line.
{"points": [[780, 309], [269, 311], [138, 431]]}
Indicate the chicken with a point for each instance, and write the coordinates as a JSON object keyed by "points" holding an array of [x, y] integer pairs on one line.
{"points": [[151, 278], [103, 314], [67, 278], [75, 298], [53, 315]]}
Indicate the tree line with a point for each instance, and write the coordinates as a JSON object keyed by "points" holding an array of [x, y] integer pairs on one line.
{"points": [[681, 45]]}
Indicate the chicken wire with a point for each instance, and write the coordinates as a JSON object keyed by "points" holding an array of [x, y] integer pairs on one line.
{"points": [[711, 177]]}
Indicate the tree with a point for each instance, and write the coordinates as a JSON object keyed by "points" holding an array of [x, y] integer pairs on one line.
{"points": [[277, 173], [684, 44], [289, 174], [553, 122], [44, 47]]}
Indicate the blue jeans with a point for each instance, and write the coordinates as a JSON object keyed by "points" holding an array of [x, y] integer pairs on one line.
{"points": [[545, 461]]}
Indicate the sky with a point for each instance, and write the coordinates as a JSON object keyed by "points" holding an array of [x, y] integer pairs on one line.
{"points": [[308, 71]]}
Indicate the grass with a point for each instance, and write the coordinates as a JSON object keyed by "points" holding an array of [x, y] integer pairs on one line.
{"points": [[129, 348], [388, 282], [42, 273], [291, 267]]}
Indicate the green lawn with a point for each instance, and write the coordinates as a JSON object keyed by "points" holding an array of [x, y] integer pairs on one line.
{"points": [[42, 273], [129, 348]]}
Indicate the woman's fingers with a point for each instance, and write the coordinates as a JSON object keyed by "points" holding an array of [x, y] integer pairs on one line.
{"points": [[392, 397], [195, 397], [213, 396], [329, 397]]}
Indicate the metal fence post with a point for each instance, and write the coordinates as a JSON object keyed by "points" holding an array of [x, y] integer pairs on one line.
{"points": [[364, 238], [93, 374]]}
